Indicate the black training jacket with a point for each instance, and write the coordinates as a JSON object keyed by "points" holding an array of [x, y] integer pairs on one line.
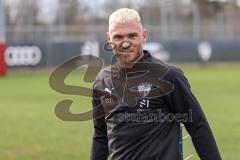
{"points": [[138, 111]]}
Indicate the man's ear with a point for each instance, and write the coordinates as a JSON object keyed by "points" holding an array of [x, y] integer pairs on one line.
{"points": [[108, 37], [144, 35]]}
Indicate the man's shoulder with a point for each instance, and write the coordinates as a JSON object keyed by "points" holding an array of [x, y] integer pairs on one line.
{"points": [[173, 72], [171, 68], [104, 73]]}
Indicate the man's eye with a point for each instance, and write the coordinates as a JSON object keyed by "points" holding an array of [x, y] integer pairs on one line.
{"points": [[132, 36], [117, 37]]}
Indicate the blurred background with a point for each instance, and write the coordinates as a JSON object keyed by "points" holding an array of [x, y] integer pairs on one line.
{"points": [[200, 36]]}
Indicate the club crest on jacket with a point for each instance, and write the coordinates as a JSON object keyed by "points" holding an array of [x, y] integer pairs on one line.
{"points": [[144, 88]]}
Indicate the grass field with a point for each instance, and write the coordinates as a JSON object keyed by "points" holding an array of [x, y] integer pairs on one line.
{"points": [[31, 131]]}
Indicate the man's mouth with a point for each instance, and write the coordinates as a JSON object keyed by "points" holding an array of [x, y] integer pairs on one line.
{"points": [[125, 51]]}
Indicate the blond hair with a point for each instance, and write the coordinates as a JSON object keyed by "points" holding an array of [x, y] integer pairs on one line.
{"points": [[124, 15]]}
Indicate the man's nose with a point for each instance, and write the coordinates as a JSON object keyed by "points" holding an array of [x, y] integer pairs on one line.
{"points": [[125, 45]]}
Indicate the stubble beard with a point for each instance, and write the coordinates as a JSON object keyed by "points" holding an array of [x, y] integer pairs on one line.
{"points": [[128, 63]]}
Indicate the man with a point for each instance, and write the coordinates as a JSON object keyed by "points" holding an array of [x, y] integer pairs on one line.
{"points": [[142, 102]]}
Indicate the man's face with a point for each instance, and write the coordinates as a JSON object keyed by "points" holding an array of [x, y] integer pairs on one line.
{"points": [[127, 41]]}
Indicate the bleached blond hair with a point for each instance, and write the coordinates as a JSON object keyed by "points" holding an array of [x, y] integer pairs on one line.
{"points": [[124, 15]]}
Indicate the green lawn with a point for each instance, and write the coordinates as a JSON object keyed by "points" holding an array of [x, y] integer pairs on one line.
{"points": [[217, 89], [31, 131]]}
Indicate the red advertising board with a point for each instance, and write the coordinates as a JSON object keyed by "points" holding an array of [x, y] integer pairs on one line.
{"points": [[3, 67]]}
